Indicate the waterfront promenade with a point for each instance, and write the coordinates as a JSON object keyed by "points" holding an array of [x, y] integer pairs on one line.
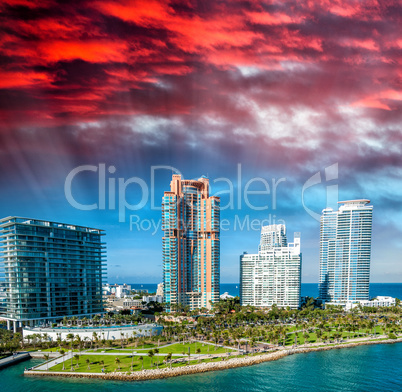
{"points": [[12, 359], [219, 362]]}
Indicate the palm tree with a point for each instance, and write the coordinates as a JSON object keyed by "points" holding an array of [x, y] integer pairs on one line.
{"points": [[132, 359], [188, 355], [141, 358], [169, 358], [47, 363], [117, 360], [71, 337], [29, 338], [62, 352], [371, 325], [122, 339], [77, 358], [88, 362], [59, 340], [78, 339], [156, 351], [94, 337], [150, 355]]}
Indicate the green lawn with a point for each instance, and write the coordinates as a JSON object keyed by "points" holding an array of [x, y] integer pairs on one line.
{"points": [[56, 349], [330, 336], [127, 348], [110, 364], [178, 348]]}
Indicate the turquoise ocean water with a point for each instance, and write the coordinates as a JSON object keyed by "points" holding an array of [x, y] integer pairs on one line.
{"points": [[365, 368]]}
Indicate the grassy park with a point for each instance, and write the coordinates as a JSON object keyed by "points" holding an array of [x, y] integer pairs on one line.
{"points": [[176, 348], [125, 363]]}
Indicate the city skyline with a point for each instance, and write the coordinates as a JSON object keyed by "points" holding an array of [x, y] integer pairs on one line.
{"points": [[235, 90]]}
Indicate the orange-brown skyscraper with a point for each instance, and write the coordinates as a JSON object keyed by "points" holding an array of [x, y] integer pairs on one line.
{"points": [[191, 248]]}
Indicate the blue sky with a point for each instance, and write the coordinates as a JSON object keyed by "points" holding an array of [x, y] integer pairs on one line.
{"points": [[283, 89]]}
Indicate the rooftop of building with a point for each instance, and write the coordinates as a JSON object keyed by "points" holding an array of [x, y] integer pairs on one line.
{"points": [[275, 228], [356, 201], [10, 220]]}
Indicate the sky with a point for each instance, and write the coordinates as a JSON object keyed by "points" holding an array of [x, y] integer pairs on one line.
{"points": [[101, 101]]}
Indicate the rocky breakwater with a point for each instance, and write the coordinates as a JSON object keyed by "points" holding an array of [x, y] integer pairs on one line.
{"points": [[343, 345]]}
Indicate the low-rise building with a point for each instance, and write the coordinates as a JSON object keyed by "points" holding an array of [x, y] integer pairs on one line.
{"points": [[108, 332], [379, 301], [152, 298], [118, 290]]}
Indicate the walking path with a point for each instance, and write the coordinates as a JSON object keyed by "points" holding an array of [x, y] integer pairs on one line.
{"points": [[49, 364], [13, 359]]}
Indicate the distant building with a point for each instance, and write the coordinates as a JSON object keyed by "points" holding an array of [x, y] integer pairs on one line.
{"points": [[118, 290], [191, 246], [159, 290], [226, 295], [152, 298], [122, 290], [52, 270], [273, 275], [379, 301], [128, 303], [345, 250]]}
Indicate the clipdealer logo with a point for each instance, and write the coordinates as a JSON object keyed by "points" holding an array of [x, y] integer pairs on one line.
{"points": [[112, 191]]}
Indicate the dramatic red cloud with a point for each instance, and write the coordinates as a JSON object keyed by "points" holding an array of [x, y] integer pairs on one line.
{"points": [[148, 57], [23, 79], [92, 51]]}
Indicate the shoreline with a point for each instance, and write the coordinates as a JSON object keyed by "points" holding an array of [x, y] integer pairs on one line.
{"points": [[154, 374]]}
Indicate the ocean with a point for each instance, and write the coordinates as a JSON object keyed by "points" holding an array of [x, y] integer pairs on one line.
{"points": [[307, 289], [365, 368]]}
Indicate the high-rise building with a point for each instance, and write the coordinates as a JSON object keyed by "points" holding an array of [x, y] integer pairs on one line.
{"points": [[191, 247], [273, 275], [51, 270], [345, 249]]}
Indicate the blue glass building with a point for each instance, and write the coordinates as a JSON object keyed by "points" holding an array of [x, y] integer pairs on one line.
{"points": [[345, 251], [51, 270]]}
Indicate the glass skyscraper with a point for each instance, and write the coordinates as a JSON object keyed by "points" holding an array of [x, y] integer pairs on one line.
{"points": [[51, 270], [345, 250], [273, 275], [191, 246]]}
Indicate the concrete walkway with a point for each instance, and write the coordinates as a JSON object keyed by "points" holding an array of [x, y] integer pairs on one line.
{"points": [[11, 360], [48, 364]]}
